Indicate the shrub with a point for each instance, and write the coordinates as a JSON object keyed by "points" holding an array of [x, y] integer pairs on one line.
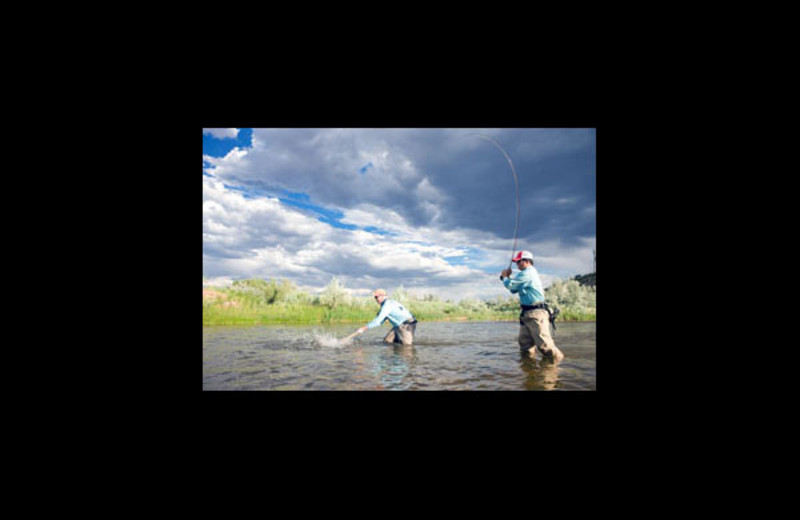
{"points": [[400, 295], [262, 292], [572, 298], [472, 305], [334, 294]]}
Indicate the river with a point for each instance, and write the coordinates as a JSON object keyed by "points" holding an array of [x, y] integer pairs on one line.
{"points": [[445, 356]]}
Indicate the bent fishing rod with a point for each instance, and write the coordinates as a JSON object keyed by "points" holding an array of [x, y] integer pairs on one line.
{"points": [[516, 186], [516, 189]]}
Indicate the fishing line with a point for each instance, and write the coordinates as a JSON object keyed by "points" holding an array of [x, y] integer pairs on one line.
{"points": [[516, 186]]}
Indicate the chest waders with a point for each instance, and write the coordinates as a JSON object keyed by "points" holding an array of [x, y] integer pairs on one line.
{"points": [[552, 311]]}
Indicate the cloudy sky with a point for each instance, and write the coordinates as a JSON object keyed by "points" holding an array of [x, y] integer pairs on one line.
{"points": [[432, 209]]}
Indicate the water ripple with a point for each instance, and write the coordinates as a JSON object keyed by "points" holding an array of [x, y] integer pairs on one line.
{"points": [[447, 356]]}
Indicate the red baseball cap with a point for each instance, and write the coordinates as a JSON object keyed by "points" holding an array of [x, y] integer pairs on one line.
{"points": [[522, 255]]}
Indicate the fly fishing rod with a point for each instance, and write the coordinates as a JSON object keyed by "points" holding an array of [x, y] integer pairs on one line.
{"points": [[516, 186], [516, 189]]}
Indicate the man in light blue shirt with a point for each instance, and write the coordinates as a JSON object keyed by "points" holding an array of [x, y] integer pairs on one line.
{"points": [[403, 323], [534, 318]]}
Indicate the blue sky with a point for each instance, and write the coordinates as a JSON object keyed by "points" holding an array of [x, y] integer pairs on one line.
{"points": [[219, 145], [431, 209], [216, 146]]}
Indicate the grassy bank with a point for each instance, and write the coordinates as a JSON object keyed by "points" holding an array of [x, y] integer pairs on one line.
{"points": [[252, 302], [216, 314]]}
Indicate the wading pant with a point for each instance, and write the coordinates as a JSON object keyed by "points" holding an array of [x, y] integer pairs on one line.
{"points": [[404, 333], [535, 332]]}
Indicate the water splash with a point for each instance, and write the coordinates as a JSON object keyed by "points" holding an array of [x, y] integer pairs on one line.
{"points": [[330, 341]]}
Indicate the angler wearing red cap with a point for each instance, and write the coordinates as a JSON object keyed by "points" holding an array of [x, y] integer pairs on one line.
{"points": [[535, 316]]}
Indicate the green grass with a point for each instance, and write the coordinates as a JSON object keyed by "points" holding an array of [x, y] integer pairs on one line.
{"points": [[319, 314], [572, 315], [253, 302], [216, 314]]}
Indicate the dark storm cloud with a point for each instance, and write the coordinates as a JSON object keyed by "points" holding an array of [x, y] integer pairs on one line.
{"points": [[556, 174], [442, 177], [557, 187]]}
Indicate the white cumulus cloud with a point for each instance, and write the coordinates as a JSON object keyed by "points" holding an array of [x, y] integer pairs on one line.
{"points": [[432, 210], [222, 133]]}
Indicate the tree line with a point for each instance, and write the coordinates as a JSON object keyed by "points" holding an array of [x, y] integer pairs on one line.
{"points": [[252, 298]]}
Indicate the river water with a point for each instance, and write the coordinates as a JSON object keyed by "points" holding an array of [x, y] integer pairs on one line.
{"points": [[445, 356]]}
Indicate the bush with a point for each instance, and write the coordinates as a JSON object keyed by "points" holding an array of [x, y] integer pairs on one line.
{"points": [[572, 298], [257, 292], [300, 297], [400, 295], [334, 294], [507, 304], [472, 305]]}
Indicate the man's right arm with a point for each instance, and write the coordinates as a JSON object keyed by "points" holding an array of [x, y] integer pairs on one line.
{"points": [[379, 318], [515, 284]]}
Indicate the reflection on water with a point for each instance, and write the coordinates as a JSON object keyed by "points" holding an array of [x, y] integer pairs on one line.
{"points": [[541, 374], [393, 367], [445, 356]]}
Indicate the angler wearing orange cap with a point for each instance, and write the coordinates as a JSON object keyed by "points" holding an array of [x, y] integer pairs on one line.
{"points": [[403, 323], [535, 316]]}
